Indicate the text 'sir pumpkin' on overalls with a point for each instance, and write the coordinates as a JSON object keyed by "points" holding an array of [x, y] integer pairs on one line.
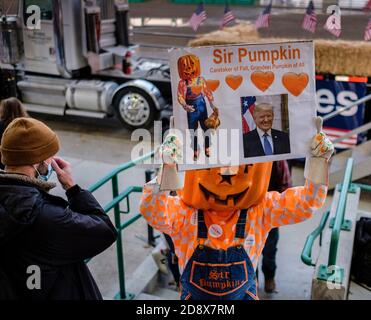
{"points": [[212, 274]]}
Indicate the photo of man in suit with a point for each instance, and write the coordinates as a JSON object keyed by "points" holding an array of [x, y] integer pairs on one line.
{"points": [[265, 141]]}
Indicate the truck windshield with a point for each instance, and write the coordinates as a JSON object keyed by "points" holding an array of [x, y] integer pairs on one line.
{"points": [[46, 8]]}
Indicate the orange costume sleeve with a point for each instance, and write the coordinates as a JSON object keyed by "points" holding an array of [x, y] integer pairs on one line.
{"points": [[182, 92], [293, 205], [164, 212], [172, 216]]}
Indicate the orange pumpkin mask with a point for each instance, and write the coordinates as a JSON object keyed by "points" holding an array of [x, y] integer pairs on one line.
{"points": [[216, 190], [189, 67]]}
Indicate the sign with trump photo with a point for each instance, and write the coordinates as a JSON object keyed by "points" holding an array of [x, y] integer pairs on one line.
{"points": [[242, 104]]}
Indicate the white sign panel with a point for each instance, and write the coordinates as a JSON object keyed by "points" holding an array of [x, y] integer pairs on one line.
{"points": [[244, 104]]}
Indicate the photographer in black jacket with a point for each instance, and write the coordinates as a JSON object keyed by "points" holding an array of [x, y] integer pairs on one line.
{"points": [[43, 231]]}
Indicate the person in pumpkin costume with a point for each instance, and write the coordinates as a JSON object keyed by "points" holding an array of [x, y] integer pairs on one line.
{"points": [[221, 218], [192, 90]]}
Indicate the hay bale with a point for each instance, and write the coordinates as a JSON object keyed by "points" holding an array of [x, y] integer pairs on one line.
{"points": [[242, 32], [335, 57], [343, 57]]}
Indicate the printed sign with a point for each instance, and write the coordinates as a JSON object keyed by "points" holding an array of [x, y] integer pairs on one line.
{"points": [[243, 104], [333, 95]]}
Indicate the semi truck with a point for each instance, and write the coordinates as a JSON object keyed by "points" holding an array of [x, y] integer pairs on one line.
{"points": [[74, 57]]}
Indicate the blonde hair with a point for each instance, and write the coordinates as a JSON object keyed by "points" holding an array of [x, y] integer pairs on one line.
{"points": [[263, 107]]}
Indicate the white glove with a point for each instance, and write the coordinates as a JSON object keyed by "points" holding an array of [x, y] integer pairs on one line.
{"points": [[316, 167], [171, 149], [171, 154]]}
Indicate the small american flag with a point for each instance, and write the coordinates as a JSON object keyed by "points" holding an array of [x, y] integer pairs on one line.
{"points": [[263, 19], [367, 35], [247, 109], [333, 25], [228, 16], [310, 19], [367, 7], [198, 16]]}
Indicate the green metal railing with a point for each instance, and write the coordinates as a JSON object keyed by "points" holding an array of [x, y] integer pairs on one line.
{"points": [[117, 198], [339, 221], [362, 186], [306, 255], [338, 224]]}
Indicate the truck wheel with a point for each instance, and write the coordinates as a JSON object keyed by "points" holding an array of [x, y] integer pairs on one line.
{"points": [[135, 108]]}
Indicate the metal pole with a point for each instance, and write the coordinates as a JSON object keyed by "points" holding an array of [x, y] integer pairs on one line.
{"points": [[358, 130], [120, 255], [340, 110], [151, 240]]}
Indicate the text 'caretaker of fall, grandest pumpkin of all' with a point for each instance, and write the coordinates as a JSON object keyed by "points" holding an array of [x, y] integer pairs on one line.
{"points": [[220, 219]]}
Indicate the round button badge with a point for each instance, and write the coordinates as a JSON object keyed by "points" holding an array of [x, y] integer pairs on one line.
{"points": [[215, 231]]}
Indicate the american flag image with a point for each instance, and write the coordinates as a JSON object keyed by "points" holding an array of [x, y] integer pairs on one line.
{"points": [[198, 16], [263, 19], [367, 35], [247, 110], [333, 25], [228, 16], [310, 19], [335, 133]]}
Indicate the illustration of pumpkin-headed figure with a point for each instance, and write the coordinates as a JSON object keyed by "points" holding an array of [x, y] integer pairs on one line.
{"points": [[192, 90], [189, 67], [228, 188]]}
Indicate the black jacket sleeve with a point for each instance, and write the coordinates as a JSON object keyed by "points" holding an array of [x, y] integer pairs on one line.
{"points": [[83, 201], [2, 129], [78, 232]]}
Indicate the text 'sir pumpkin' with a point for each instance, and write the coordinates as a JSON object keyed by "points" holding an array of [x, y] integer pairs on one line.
{"points": [[295, 83], [234, 82], [262, 80]]}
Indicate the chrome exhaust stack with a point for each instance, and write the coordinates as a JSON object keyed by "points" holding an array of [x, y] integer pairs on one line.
{"points": [[122, 22], [93, 26], [10, 42]]}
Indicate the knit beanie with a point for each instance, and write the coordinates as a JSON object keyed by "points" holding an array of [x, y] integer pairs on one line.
{"points": [[27, 141]]}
